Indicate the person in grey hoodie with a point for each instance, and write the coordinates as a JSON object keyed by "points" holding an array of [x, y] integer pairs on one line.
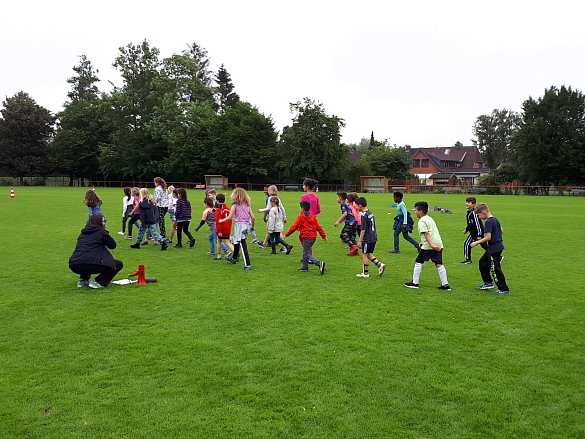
{"points": [[275, 225]]}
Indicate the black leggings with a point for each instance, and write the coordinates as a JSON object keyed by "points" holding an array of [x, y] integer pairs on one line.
{"points": [[183, 226], [245, 253], [275, 238], [104, 273], [162, 211], [133, 220]]}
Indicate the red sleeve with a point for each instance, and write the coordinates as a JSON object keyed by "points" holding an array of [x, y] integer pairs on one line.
{"points": [[294, 227]]}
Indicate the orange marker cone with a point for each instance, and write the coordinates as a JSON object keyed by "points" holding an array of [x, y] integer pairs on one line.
{"points": [[140, 274]]}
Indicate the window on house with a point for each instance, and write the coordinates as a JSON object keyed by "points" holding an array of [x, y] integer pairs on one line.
{"points": [[416, 163], [424, 163]]}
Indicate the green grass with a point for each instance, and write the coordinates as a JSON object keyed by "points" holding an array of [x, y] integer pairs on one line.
{"points": [[211, 351]]}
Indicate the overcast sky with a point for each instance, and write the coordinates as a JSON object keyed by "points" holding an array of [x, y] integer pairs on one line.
{"points": [[416, 72]]}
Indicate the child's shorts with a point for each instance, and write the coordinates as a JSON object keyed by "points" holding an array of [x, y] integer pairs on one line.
{"points": [[368, 247], [430, 255], [240, 232]]}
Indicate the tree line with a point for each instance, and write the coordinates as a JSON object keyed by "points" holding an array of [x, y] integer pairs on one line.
{"points": [[543, 144], [177, 117]]}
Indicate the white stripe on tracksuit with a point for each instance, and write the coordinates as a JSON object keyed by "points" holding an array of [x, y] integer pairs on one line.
{"points": [[467, 248]]}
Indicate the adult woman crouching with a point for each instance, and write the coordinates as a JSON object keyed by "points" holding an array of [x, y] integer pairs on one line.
{"points": [[91, 255]]}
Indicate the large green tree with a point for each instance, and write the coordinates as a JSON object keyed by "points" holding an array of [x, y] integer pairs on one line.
{"points": [[25, 131], [390, 161], [82, 126], [311, 145], [550, 142], [493, 136], [225, 94]]}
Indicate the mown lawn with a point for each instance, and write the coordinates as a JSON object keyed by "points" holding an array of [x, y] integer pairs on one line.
{"points": [[211, 351]]}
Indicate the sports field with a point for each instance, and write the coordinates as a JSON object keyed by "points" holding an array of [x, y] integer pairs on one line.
{"points": [[210, 351]]}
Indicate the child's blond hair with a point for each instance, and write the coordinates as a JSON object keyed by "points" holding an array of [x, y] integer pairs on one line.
{"points": [[272, 190], [240, 196], [144, 193], [135, 191]]}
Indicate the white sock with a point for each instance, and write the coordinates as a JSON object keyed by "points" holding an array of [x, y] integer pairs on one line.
{"points": [[416, 273], [442, 274]]}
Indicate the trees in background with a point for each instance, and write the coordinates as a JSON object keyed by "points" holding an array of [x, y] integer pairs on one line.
{"points": [[493, 136], [26, 129]]}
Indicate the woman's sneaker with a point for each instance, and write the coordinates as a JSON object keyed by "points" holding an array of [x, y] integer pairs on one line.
{"points": [[445, 288], [82, 283], [95, 285], [381, 269], [411, 285]]}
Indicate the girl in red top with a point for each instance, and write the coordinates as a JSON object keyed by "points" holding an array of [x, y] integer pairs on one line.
{"points": [[308, 227], [223, 229]]}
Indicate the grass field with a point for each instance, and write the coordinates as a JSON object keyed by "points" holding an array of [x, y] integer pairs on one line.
{"points": [[211, 351]]}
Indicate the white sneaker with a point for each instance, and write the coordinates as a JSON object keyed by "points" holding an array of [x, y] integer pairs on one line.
{"points": [[93, 284], [364, 275], [82, 283], [381, 269]]}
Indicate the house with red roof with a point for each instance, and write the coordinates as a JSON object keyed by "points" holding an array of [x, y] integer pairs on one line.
{"points": [[455, 165]]}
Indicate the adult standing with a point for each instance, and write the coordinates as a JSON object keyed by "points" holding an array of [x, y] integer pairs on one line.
{"points": [[91, 255], [161, 198]]}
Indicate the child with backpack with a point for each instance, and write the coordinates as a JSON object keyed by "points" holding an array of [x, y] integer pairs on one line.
{"points": [[403, 223]]}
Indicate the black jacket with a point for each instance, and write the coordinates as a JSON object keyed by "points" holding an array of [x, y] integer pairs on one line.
{"points": [[148, 212], [474, 225], [92, 247]]}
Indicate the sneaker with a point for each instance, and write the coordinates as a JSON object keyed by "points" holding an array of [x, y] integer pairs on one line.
{"points": [[411, 285], [217, 257], [445, 288], [121, 233], [381, 269], [93, 284], [467, 262], [288, 249], [247, 268], [192, 243], [82, 283], [363, 275], [503, 293], [259, 244], [178, 245], [322, 268], [486, 286], [303, 270], [284, 250], [163, 246], [231, 260], [135, 246]]}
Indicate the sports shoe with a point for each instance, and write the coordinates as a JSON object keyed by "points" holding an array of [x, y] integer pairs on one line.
{"points": [[163, 246], [135, 246], [121, 233], [284, 250], [231, 260], [363, 275], [217, 257], [411, 285], [381, 269], [467, 262], [445, 288], [247, 268], [288, 250], [322, 268], [93, 284], [192, 243], [486, 286], [502, 293], [82, 283]]}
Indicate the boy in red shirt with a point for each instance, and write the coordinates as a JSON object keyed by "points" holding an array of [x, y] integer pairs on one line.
{"points": [[308, 227], [223, 229]]}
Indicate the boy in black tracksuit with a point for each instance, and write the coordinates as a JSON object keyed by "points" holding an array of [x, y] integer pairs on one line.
{"points": [[474, 229], [492, 258]]}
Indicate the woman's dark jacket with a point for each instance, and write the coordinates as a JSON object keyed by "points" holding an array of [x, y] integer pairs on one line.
{"points": [[92, 247]]}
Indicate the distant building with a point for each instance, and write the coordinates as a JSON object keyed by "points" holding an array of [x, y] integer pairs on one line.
{"points": [[447, 166]]}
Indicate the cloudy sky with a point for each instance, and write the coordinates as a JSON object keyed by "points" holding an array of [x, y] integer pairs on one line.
{"points": [[416, 72]]}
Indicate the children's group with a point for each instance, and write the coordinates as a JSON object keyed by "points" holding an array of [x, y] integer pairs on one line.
{"points": [[230, 227]]}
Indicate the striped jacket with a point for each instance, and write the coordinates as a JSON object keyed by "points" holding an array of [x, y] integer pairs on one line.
{"points": [[183, 210], [474, 225]]}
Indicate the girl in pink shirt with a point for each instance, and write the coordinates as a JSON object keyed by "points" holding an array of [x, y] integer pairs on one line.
{"points": [[310, 187]]}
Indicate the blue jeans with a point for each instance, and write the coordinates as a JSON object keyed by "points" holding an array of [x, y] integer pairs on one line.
{"points": [[406, 236], [212, 241], [151, 230]]}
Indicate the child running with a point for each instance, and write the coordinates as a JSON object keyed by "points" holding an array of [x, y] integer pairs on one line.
{"points": [[223, 229], [272, 191], [275, 226], [183, 216], [208, 217], [241, 213], [135, 213], [431, 247], [349, 231], [492, 258], [172, 195], [93, 202], [162, 202], [367, 240], [403, 223], [148, 220], [127, 207], [308, 227], [474, 229]]}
